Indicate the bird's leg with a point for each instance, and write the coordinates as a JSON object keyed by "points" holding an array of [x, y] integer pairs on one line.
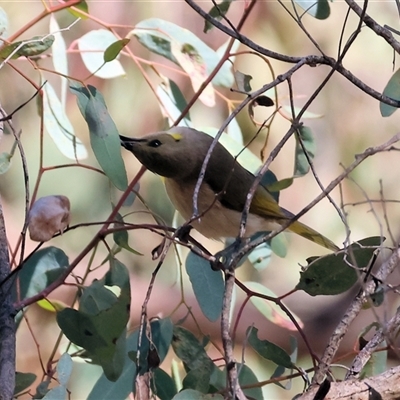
{"points": [[182, 233], [223, 257]]}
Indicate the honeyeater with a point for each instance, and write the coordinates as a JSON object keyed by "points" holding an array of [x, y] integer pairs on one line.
{"points": [[178, 155]]}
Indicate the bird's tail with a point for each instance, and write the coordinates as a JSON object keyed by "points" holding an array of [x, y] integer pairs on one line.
{"points": [[310, 234]]}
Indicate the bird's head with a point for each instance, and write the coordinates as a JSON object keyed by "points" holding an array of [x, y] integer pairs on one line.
{"points": [[176, 153]]}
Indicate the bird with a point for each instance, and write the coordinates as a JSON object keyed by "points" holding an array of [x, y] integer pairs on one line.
{"points": [[177, 155]]}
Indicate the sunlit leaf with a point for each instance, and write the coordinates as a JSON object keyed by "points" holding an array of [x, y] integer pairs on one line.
{"points": [[157, 35], [93, 46], [59, 127], [193, 64], [81, 6], [113, 50]]}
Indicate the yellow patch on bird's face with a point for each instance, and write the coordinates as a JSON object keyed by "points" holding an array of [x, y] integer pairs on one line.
{"points": [[176, 136]]}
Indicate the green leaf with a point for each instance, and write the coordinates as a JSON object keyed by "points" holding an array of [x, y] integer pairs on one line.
{"points": [[392, 90], [218, 11], [267, 349], [59, 126], [248, 378], [332, 274], [316, 8], [243, 81], [104, 389], [163, 386], [277, 186], [208, 285], [113, 50], [81, 6], [301, 164], [28, 48], [93, 46], [121, 237], [189, 349], [99, 326], [157, 35], [104, 136], [23, 380], [34, 275]]}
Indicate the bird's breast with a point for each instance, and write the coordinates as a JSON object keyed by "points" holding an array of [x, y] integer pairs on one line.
{"points": [[215, 221]]}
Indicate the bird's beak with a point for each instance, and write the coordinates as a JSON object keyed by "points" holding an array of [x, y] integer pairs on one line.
{"points": [[128, 142]]}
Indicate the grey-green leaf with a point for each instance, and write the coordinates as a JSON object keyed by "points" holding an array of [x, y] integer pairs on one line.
{"points": [[392, 90], [208, 285], [316, 8], [104, 136], [157, 35]]}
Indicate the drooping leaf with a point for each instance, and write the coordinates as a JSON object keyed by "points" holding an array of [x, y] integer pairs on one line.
{"points": [[270, 310], [33, 276], [335, 273], [267, 349], [301, 164], [218, 11], [59, 126], [104, 136], [316, 8], [93, 46], [157, 35], [392, 90], [113, 50], [208, 285]]}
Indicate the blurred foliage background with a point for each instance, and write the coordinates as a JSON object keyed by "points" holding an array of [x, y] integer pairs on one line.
{"points": [[349, 123]]}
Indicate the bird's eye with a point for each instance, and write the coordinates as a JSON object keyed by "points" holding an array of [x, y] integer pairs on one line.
{"points": [[155, 143]]}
